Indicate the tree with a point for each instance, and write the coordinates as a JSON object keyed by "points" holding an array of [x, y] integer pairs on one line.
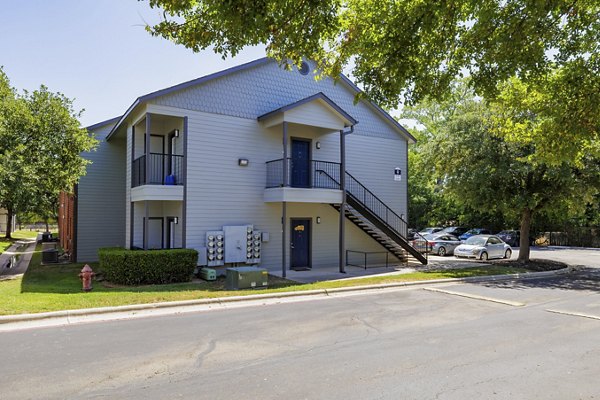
{"points": [[40, 146], [398, 48], [487, 171]]}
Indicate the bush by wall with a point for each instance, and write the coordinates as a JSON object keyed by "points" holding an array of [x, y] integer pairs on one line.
{"points": [[135, 267]]}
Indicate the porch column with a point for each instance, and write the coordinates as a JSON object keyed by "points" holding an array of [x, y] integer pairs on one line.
{"points": [[185, 174], [283, 235], [146, 217], [284, 205], [342, 243], [285, 155], [147, 148]]}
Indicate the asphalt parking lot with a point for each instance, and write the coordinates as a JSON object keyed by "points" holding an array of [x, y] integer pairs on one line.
{"points": [[574, 256]]}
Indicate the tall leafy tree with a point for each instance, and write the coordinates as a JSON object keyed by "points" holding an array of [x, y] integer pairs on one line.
{"points": [[40, 149], [479, 163], [398, 48]]}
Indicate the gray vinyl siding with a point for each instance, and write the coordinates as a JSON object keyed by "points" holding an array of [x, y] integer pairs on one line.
{"points": [[100, 198], [256, 91], [220, 192]]}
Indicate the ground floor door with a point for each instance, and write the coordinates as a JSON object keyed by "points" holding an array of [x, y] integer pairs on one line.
{"points": [[300, 244], [170, 232], [155, 233]]}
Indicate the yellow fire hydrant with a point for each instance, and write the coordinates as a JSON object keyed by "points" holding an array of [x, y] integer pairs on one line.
{"points": [[86, 276]]}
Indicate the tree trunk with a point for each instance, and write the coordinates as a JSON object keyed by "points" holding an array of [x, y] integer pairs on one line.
{"points": [[47, 227], [524, 242], [9, 218]]}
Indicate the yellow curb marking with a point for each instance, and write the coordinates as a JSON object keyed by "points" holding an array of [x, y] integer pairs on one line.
{"points": [[575, 314], [477, 297]]}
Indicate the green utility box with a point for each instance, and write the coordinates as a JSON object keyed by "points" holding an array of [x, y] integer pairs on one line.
{"points": [[246, 278], [208, 274]]}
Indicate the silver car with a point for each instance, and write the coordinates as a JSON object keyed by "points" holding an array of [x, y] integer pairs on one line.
{"points": [[441, 244], [483, 247]]}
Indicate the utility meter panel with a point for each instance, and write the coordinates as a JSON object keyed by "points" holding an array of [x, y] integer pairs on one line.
{"points": [[236, 243], [253, 247], [215, 248]]}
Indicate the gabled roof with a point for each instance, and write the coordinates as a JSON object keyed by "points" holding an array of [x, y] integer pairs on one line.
{"points": [[380, 110], [242, 67], [185, 85], [318, 96], [101, 124]]}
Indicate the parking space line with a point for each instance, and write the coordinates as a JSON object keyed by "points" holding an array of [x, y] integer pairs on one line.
{"points": [[574, 314], [477, 297]]}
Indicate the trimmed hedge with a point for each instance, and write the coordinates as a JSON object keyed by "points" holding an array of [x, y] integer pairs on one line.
{"points": [[135, 267]]}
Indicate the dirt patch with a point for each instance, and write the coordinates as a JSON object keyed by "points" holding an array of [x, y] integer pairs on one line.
{"points": [[535, 265]]}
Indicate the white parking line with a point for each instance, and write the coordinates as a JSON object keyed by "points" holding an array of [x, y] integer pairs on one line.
{"points": [[575, 314], [477, 297]]}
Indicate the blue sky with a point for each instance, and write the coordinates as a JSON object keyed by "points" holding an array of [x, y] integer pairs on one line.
{"points": [[97, 52]]}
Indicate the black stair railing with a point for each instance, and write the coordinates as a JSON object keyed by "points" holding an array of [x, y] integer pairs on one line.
{"points": [[376, 206]]}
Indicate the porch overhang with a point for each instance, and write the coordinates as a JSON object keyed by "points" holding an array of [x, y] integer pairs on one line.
{"points": [[302, 195], [157, 193], [317, 110]]}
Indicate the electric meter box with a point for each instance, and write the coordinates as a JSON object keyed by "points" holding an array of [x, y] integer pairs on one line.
{"points": [[215, 248], [246, 278]]}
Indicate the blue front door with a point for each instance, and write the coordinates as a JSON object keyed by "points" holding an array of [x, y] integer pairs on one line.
{"points": [[300, 244], [300, 163]]}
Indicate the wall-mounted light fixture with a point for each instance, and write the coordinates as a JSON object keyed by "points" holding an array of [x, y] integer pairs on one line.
{"points": [[318, 220], [176, 220], [243, 162], [318, 145], [176, 132]]}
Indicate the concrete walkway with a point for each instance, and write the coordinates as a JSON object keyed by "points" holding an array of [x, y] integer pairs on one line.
{"points": [[15, 260]]}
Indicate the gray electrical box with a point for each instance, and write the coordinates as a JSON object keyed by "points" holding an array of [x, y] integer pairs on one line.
{"points": [[236, 243], [202, 256], [246, 278]]}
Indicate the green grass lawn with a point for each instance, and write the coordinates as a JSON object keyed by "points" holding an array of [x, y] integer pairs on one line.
{"points": [[53, 288]]}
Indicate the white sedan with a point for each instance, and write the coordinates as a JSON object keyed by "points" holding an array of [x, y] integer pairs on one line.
{"points": [[483, 247]]}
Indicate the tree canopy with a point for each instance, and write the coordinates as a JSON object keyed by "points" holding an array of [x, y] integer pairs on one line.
{"points": [[398, 49], [476, 163], [41, 142]]}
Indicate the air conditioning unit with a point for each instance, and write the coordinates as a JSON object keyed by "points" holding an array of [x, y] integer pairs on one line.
{"points": [[215, 248], [246, 278]]}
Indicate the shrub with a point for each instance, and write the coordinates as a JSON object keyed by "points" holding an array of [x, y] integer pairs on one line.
{"points": [[134, 267]]}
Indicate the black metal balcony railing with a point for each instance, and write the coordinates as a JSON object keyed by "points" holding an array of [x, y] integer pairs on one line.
{"points": [[164, 169], [313, 174]]}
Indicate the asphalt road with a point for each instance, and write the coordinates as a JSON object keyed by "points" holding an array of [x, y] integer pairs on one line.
{"points": [[523, 340]]}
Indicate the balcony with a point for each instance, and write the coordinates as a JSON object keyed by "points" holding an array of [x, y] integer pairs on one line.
{"points": [[164, 169], [159, 179], [307, 181]]}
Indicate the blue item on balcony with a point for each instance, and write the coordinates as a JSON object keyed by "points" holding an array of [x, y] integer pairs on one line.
{"points": [[170, 180]]}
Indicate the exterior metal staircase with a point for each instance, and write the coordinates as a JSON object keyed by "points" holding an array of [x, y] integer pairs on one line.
{"points": [[379, 221]]}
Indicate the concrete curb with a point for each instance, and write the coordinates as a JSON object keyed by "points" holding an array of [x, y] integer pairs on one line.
{"points": [[74, 316]]}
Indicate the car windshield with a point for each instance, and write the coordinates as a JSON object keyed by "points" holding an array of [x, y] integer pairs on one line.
{"points": [[476, 241]]}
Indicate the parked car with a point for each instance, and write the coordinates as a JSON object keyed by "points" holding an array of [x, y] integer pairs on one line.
{"points": [[483, 247], [430, 230], [439, 243], [473, 232], [511, 238], [411, 233], [455, 230]]}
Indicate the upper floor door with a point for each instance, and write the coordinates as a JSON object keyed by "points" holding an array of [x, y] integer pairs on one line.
{"points": [[300, 166]]}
